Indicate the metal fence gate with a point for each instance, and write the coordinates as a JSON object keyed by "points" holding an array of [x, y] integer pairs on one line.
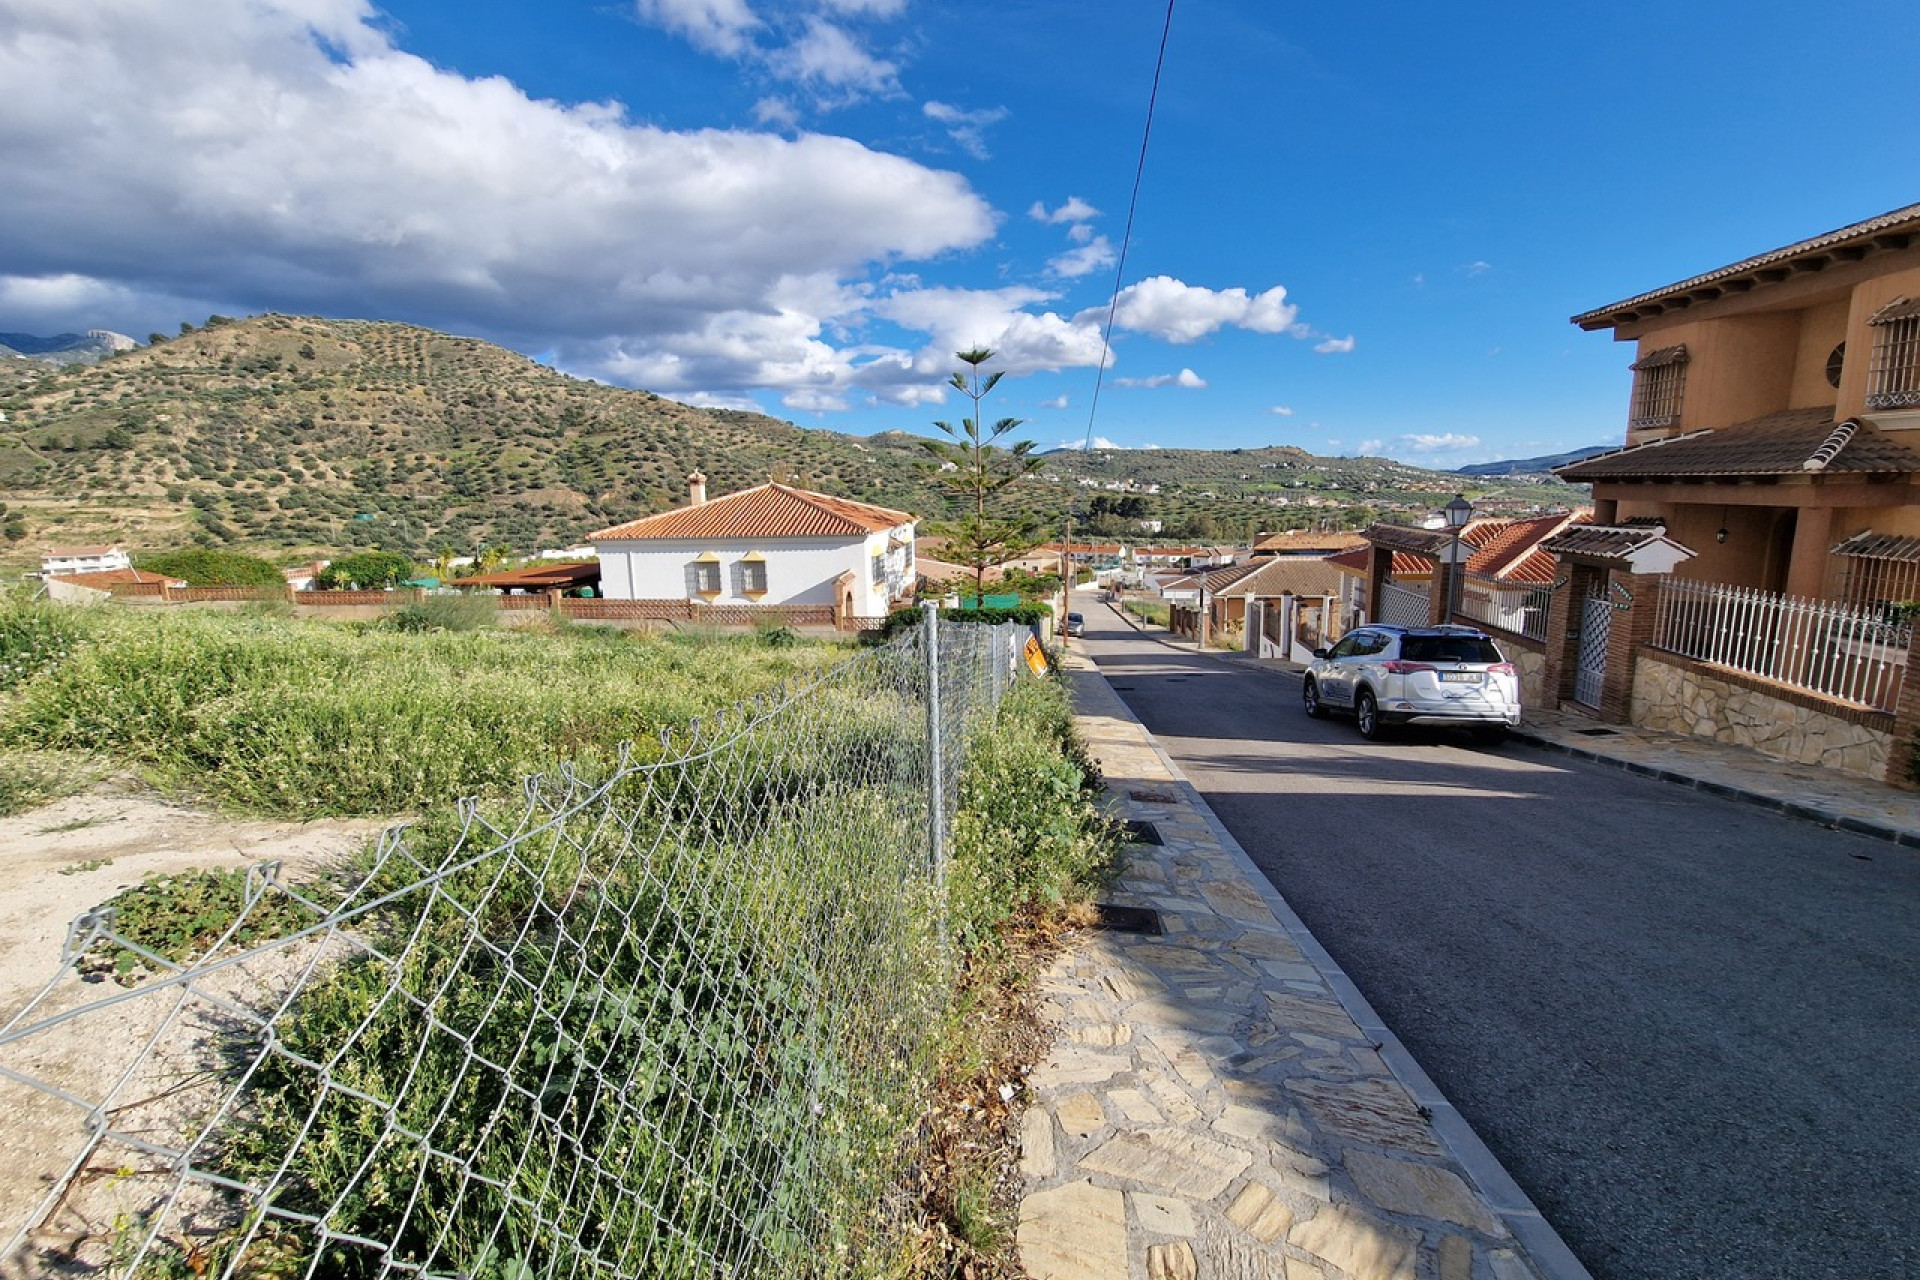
{"points": [[1590, 671]]}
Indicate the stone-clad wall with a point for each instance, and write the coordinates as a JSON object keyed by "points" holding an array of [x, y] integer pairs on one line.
{"points": [[1679, 699]]}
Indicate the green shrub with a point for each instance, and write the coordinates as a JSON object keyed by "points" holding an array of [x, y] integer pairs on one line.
{"points": [[1027, 833], [1026, 615], [207, 567], [446, 613], [369, 570]]}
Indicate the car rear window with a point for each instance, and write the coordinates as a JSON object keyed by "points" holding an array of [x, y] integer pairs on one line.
{"points": [[1448, 649]]}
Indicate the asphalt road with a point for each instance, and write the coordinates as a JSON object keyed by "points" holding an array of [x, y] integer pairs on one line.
{"points": [[1689, 1028]]}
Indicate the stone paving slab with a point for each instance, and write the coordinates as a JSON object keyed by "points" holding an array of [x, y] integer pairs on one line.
{"points": [[1221, 1104]]}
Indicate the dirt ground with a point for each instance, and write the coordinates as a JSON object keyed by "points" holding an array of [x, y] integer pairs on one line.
{"points": [[59, 862]]}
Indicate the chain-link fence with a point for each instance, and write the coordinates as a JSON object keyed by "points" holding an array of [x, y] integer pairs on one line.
{"points": [[676, 1020]]}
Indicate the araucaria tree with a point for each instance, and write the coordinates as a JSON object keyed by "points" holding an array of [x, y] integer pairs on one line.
{"points": [[975, 469]]}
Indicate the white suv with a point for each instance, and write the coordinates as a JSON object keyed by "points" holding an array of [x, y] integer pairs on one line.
{"points": [[1388, 675]]}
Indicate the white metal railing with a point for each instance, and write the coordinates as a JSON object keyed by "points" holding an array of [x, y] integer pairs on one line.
{"points": [[1402, 606], [1838, 651], [1519, 609]]}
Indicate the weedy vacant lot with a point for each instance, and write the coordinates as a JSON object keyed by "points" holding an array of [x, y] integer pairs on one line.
{"points": [[727, 976]]}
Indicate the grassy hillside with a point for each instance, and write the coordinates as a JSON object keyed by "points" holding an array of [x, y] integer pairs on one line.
{"points": [[283, 433]]}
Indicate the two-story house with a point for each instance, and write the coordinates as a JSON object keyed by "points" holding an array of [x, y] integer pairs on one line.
{"points": [[772, 544], [1774, 428]]}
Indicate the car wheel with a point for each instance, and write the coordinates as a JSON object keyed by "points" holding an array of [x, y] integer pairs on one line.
{"points": [[1310, 698], [1366, 714], [1490, 735]]}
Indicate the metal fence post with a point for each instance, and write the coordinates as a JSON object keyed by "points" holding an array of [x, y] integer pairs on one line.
{"points": [[936, 758]]}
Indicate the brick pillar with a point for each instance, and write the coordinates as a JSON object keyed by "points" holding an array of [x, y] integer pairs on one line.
{"points": [[1441, 593], [1379, 565], [1563, 631], [1906, 721], [1635, 597]]}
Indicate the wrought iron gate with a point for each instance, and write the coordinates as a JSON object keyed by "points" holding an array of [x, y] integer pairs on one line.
{"points": [[1590, 671]]}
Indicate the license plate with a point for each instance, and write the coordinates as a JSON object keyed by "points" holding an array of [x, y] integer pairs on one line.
{"points": [[1460, 677]]}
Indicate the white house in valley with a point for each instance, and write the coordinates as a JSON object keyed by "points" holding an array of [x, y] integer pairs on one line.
{"points": [[769, 545], [60, 561]]}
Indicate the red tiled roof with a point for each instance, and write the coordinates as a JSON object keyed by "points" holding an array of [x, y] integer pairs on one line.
{"points": [[564, 573], [1405, 563], [1512, 545], [69, 553], [1890, 230], [764, 511], [1793, 442], [103, 578], [1337, 540]]}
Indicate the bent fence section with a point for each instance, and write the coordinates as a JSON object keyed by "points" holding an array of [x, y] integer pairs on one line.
{"points": [[670, 1021]]}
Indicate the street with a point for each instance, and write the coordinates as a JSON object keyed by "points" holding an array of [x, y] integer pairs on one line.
{"points": [[1687, 1026]]}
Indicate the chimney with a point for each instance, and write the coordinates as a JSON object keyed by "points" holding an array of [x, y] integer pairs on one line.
{"points": [[696, 489]]}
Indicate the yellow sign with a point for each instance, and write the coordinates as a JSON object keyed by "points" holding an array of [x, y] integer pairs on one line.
{"points": [[1036, 656]]}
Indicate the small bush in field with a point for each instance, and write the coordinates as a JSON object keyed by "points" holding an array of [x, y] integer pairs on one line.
{"points": [[447, 613]]}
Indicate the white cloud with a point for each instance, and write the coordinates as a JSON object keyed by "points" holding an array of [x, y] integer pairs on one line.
{"points": [[1281, 411], [966, 128], [299, 161], [1175, 311], [1023, 342], [777, 112], [724, 27], [1448, 442], [1477, 268], [1335, 346], [1096, 255], [1057, 403], [1149, 446], [1099, 442], [1368, 448], [1074, 210], [829, 57], [1185, 378]]}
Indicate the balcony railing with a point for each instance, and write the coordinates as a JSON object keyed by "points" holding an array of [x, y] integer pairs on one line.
{"points": [[1850, 654]]}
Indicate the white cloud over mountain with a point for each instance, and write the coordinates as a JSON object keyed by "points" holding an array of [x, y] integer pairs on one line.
{"points": [[289, 155]]}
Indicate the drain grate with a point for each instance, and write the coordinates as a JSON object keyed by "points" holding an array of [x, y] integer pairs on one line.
{"points": [[1597, 733], [1122, 688], [1141, 920], [1139, 832], [1153, 797]]}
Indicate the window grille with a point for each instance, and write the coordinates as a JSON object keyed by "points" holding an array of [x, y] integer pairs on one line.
{"points": [[1658, 380], [1894, 380], [1876, 572], [753, 577], [879, 569], [706, 576]]}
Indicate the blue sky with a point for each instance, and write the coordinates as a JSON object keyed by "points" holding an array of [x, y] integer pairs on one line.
{"points": [[1362, 228]]}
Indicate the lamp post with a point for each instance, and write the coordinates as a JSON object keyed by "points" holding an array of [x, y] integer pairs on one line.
{"points": [[1457, 513]]}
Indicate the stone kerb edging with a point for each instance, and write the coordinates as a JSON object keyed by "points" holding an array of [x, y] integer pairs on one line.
{"points": [[1221, 1102]]}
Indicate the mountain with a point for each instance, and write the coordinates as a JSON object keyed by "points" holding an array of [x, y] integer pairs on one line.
{"points": [[284, 433], [67, 348], [1533, 466]]}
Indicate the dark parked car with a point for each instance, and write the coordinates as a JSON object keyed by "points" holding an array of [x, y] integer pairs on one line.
{"points": [[1389, 675]]}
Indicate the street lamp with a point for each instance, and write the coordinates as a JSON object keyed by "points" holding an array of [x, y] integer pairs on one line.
{"points": [[1457, 513]]}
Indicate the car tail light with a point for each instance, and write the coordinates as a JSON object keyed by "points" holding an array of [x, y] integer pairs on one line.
{"points": [[1400, 668], [1502, 669]]}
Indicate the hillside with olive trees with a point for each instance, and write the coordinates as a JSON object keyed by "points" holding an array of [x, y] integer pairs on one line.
{"points": [[294, 434]]}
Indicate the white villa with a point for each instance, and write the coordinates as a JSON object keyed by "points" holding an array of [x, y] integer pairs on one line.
{"points": [[769, 545]]}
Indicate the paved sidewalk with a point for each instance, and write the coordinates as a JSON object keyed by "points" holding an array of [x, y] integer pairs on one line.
{"points": [[1222, 1104]]}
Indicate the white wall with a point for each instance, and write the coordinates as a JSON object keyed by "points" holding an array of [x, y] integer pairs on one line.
{"points": [[799, 570]]}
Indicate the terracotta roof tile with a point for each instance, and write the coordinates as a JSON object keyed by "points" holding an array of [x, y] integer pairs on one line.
{"points": [[1358, 560], [1606, 540], [764, 511], [1301, 575], [1778, 444], [1513, 544], [1904, 221], [103, 578], [1338, 540]]}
